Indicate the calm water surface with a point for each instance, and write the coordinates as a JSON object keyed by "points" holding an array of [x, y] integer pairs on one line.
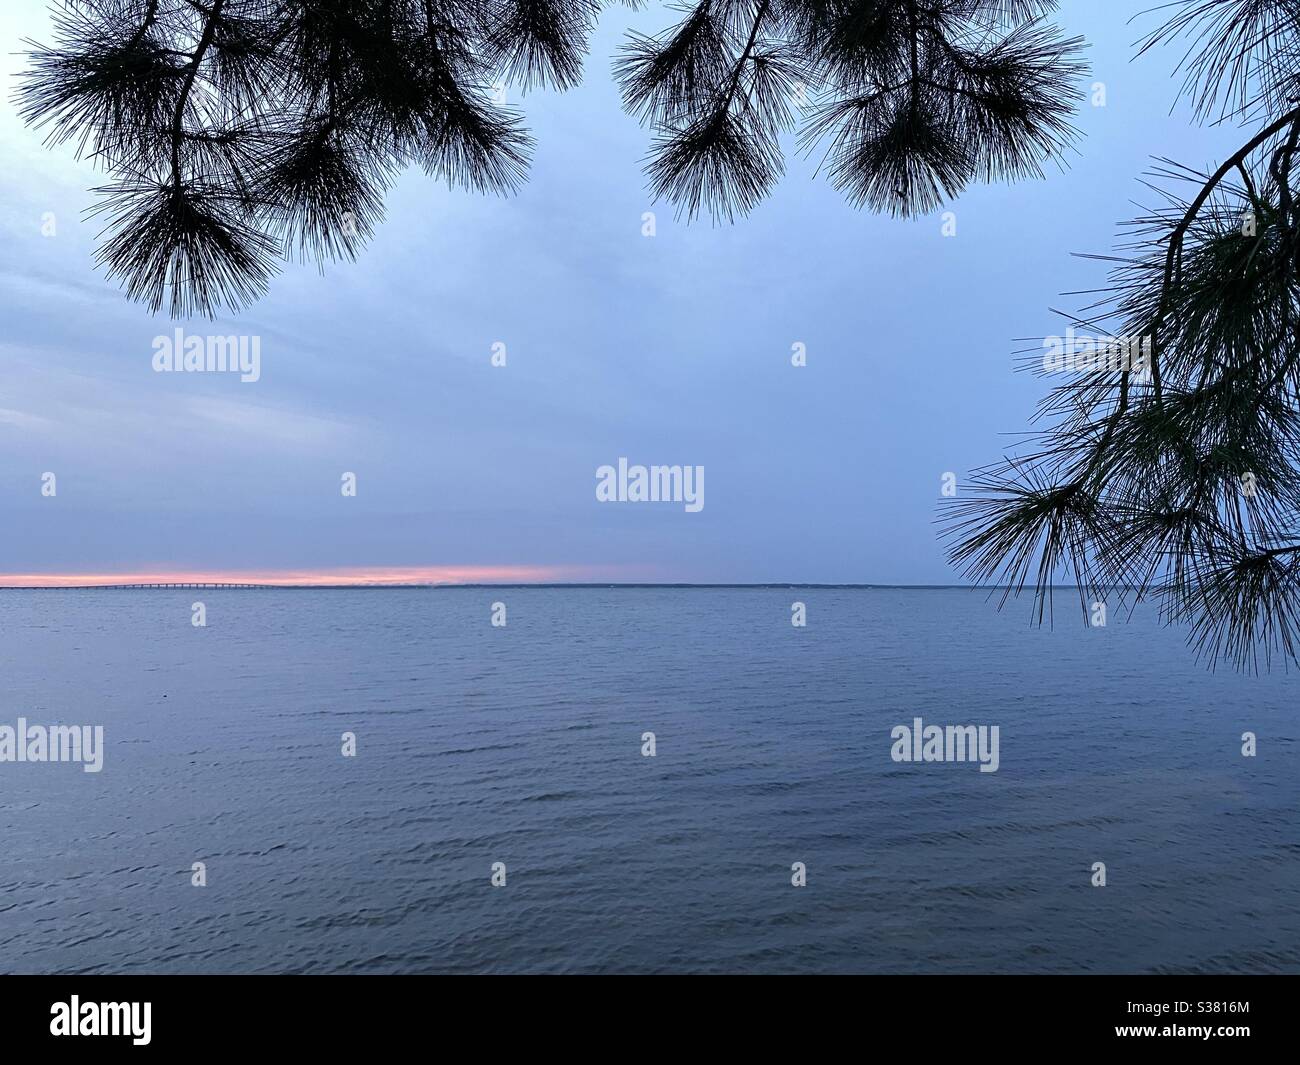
{"points": [[523, 745]]}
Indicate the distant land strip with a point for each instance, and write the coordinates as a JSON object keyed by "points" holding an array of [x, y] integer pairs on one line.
{"points": [[429, 585]]}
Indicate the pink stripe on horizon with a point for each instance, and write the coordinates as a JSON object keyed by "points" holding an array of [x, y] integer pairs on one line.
{"points": [[374, 575]]}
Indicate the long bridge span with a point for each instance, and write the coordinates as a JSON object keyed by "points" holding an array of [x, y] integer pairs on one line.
{"points": [[278, 586], [155, 584]]}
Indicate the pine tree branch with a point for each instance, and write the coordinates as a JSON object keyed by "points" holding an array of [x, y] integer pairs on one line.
{"points": [[744, 56], [178, 116], [1180, 230]]}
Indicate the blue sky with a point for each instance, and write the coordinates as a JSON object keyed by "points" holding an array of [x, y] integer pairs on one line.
{"points": [[671, 349]]}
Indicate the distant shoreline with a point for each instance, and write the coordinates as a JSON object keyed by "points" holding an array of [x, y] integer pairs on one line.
{"points": [[218, 587]]}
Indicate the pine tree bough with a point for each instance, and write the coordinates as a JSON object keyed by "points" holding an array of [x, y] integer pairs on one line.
{"points": [[1180, 484], [238, 133]]}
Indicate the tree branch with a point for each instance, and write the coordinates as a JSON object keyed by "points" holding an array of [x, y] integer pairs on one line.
{"points": [[178, 116]]}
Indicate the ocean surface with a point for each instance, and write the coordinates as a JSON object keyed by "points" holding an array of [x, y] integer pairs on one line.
{"points": [[523, 745]]}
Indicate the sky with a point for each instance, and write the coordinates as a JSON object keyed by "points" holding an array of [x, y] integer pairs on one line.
{"points": [[671, 349]]}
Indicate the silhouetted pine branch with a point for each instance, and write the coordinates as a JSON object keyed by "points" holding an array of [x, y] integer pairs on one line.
{"points": [[908, 101], [239, 132], [1177, 478], [236, 132]]}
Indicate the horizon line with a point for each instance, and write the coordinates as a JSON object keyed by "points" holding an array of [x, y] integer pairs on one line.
{"points": [[429, 585]]}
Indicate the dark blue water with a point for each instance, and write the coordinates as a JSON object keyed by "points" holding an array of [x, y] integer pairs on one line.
{"points": [[522, 745]]}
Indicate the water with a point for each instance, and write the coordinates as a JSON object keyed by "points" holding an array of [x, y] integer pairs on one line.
{"points": [[523, 745]]}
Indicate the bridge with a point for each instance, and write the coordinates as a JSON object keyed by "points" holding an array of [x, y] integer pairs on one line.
{"points": [[185, 584], [208, 584]]}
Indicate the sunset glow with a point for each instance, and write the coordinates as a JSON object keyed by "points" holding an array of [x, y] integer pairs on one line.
{"points": [[359, 576]]}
